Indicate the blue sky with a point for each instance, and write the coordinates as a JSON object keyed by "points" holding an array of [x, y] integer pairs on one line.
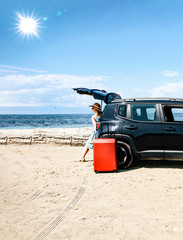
{"points": [[125, 46]]}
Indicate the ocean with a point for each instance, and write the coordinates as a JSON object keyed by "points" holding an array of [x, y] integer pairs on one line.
{"points": [[51, 121], [45, 121]]}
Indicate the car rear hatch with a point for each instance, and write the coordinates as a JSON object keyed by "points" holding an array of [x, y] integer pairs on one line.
{"points": [[98, 94]]}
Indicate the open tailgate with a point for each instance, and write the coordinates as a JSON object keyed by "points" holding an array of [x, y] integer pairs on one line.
{"points": [[98, 94]]}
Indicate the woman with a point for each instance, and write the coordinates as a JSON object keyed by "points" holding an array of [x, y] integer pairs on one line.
{"points": [[96, 108]]}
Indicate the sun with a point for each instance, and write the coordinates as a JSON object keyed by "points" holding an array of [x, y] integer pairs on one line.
{"points": [[28, 25]]}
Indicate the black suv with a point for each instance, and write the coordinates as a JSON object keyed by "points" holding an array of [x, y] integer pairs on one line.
{"points": [[147, 128]]}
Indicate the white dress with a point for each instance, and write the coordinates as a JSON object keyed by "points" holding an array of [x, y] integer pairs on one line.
{"points": [[89, 143]]}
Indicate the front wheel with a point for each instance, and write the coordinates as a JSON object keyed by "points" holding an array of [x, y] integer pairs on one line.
{"points": [[124, 155]]}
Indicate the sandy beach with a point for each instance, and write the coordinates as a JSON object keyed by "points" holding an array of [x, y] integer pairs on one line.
{"points": [[46, 194], [72, 136], [48, 131]]}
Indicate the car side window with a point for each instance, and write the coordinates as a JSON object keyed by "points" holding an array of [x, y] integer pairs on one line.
{"points": [[143, 112], [173, 114], [122, 110]]}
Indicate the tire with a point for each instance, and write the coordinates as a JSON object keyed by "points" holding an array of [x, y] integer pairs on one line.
{"points": [[124, 155]]}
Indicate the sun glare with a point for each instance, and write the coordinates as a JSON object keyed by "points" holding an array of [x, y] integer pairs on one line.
{"points": [[28, 25]]}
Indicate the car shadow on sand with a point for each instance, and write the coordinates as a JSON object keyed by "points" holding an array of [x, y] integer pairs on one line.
{"points": [[153, 164], [137, 164]]}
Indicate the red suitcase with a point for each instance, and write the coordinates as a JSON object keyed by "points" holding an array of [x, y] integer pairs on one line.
{"points": [[104, 155]]}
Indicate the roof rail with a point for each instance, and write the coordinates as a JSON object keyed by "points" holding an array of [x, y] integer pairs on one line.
{"points": [[148, 99], [176, 99]]}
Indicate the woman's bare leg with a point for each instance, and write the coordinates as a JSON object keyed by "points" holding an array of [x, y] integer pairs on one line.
{"points": [[85, 151]]}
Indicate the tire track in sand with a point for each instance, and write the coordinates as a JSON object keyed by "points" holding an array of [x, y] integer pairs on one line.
{"points": [[44, 233]]}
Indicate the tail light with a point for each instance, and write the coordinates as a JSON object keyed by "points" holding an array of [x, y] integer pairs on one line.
{"points": [[98, 125]]}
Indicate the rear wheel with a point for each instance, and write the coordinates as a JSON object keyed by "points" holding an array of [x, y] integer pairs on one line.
{"points": [[124, 155]]}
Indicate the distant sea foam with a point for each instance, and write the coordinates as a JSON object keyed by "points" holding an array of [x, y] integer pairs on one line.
{"points": [[45, 121]]}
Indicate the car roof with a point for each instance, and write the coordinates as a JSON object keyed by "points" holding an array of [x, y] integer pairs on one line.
{"points": [[155, 100]]}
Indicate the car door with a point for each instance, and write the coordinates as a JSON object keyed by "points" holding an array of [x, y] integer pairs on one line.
{"points": [[173, 131], [144, 127]]}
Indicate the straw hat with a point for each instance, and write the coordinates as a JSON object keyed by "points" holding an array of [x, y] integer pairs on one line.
{"points": [[96, 106]]}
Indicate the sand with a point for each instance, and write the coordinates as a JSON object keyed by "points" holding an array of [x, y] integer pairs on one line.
{"points": [[46, 194], [80, 132], [72, 136]]}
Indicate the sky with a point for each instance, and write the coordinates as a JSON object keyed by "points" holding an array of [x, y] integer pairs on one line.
{"points": [[130, 47]]}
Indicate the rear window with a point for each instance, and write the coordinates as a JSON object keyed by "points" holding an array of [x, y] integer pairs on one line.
{"points": [[173, 114], [122, 111], [143, 112]]}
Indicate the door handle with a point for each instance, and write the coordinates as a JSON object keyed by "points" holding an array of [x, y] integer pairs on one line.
{"points": [[131, 127], [170, 129]]}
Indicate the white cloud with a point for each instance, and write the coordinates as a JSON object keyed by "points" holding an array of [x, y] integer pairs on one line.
{"points": [[22, 69], [46, 89], [7, 71], [168, 90], [170, 73], [58, 81]]}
